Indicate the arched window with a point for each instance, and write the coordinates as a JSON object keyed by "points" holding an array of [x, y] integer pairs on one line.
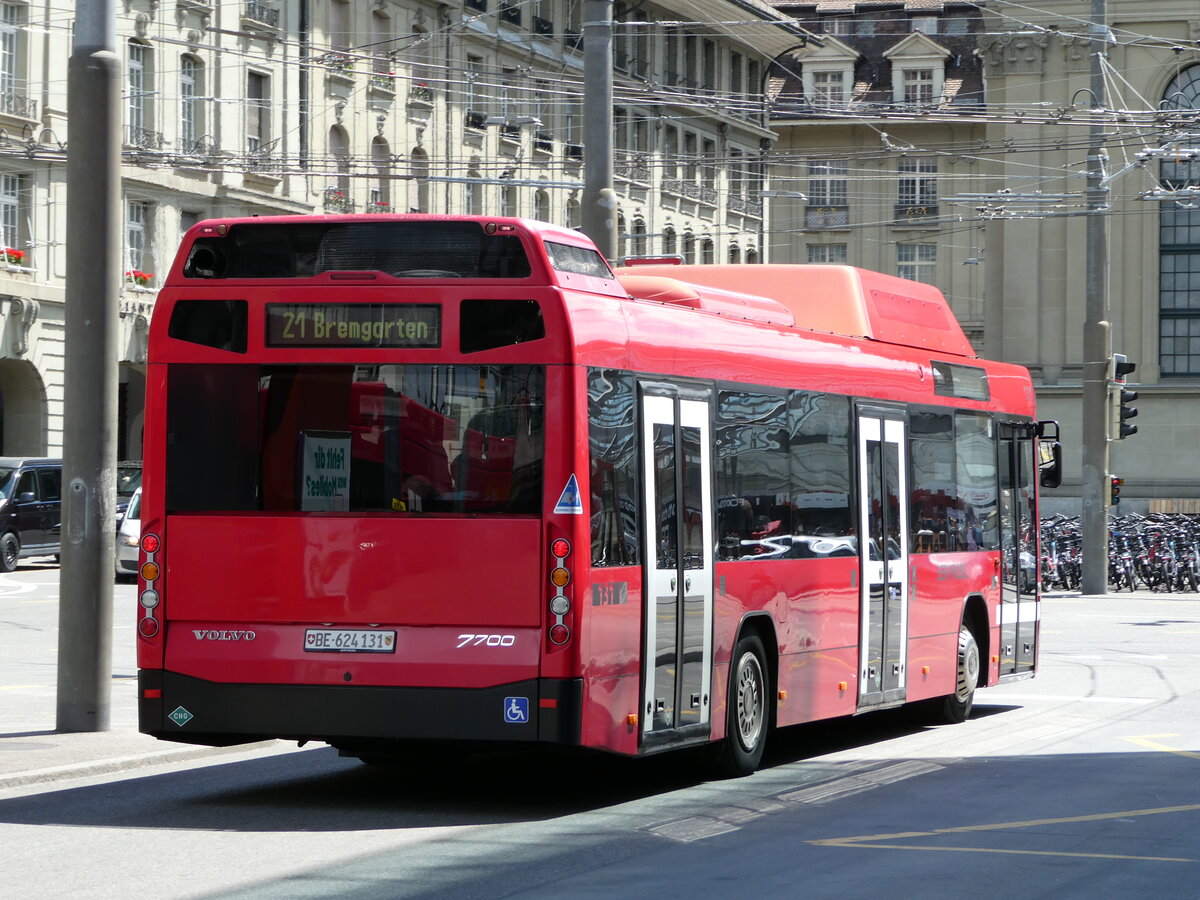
{"points": [[191, 106], [669, 245], [708, 254], [418, 185], [140, 94], [381, 191], [1179, 249], [735, 254], [639, 237], [508, 201], [473, 195], [689, 248], [541, 206], [621, 235], [574, 213], [337, 194], [751, 255]]}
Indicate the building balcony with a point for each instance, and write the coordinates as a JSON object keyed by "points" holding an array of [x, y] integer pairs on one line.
{"points": [[261, 13], [745, 206], [476, 4], [916, 214], [573, 40], [420, 93], [475, 121], [543, 27], [143, 138], [543, 141], [573, 152], [336, 201], [819, 217], [692, 190], [18, 106], [632, 167], [510, 14]]}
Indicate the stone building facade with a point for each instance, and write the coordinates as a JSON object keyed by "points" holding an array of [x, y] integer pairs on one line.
{"points": [[261, 107]]}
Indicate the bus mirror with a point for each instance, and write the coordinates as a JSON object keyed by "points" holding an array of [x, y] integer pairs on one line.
{"points": [[1050, 464]]}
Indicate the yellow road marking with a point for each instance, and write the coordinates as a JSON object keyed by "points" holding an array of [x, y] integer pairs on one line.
{"points": [[874, 841], [1147, 741]]}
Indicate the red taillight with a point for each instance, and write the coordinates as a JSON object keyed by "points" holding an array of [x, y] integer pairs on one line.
{"points": [[148, 627], [559, 634], [560, 601], [560, 548], [150, 543]]}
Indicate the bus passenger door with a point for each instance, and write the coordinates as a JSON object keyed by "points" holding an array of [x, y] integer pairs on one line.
{"points": [[883, 551], [1019, 611], [678, 582]]}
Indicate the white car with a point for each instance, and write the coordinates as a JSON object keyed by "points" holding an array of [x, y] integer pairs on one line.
{"points": [[129, 534]]}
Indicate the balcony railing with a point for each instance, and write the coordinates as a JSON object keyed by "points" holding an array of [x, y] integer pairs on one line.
{"points": [[259, 11], [573, 152], [543, 27], [690, 189], [745, 206], [384, 81], [543, 141], [420, 93], [144, 138], [826, 217], [918, 213], [477, 4], [475, 120], [632, 166], [573, 40], [16, 105]]}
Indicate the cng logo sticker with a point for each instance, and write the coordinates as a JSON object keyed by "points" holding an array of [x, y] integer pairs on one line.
{"points": [[570, 503], [516, 710], [180, 716]]}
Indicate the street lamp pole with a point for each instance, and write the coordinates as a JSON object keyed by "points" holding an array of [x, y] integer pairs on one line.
{"points": [[1096, 336], [599, 206]]}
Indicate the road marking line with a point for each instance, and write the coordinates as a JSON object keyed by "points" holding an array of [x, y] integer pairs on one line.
{"points": [[1147, 742], [873, 840], [989, 697]]}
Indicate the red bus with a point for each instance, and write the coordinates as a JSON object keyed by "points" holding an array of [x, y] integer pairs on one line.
{"points": [[418, 482]]}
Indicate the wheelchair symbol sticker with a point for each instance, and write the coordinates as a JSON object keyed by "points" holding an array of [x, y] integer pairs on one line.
{"points": [[516, 710]]}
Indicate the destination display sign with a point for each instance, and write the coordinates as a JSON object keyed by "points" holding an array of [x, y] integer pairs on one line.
{"points": [[354, 325]]}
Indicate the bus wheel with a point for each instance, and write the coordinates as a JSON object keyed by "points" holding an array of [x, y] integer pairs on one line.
{"points": [[957, 706], [10, 552], [747, 709]]}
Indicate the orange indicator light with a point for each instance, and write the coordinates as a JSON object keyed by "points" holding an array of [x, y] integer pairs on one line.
{"points": [[841, 685], [631, 719], [924, 670], [559, 577], [150, 571]]}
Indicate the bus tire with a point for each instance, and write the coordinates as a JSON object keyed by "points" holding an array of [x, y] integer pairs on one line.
{"points": [[957, 706], [10, 552], [747, 709]]}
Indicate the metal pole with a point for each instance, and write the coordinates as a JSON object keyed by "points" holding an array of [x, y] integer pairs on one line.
{"points": [[1096, 339], [90, 374], [599, 207]]}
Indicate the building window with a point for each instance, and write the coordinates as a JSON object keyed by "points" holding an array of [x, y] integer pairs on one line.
{"points": [[925, 24], [917, 188], [669, 246], [258, 111], [12, 83], [140, 82], [138, 260], [191, 119], [828, 206], [541, 206], [1179, 249], [827, 253], [918, 87], [10, 219], [829, 88], [917, 262]]}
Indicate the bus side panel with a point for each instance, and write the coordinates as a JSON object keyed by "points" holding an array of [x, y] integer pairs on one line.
{"points": [[613, 613], [354, 569], [815, 619], [940, 586]]}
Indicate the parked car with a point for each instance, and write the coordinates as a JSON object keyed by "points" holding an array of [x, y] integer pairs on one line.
{"points": [[129, 480], [30, 508], [129, 535]]}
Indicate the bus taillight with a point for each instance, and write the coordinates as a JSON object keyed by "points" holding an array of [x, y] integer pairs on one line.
{"points": [[148, 625], [560, 603]]}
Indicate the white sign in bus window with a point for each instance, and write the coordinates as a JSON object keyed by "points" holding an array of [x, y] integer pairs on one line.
{"points": [[324, 471]]}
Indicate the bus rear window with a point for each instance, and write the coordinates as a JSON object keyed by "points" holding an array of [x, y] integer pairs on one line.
{"points": [[415, 249], [397, 439]]}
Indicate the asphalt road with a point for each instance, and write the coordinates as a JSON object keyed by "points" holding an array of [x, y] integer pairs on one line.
{"points": [[1081, 782]]}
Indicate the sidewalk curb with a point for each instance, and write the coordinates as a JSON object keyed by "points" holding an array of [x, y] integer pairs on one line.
{"points": [[124, 763]]}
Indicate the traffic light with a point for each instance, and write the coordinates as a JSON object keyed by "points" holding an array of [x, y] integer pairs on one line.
{"points": [[1115, 488], [1119, 398]]}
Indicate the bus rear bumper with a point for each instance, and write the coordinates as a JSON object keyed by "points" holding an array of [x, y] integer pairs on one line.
{"points": [[190, 710]]}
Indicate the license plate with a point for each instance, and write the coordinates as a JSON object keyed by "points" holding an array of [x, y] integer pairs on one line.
{"points": [[349, 640]]}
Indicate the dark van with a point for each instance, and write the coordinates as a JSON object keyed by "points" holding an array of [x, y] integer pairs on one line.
{"points": [[30, 508]]}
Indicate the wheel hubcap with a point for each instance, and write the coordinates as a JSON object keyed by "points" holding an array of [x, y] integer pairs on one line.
{"points": [[750, 687], [968, 667]]}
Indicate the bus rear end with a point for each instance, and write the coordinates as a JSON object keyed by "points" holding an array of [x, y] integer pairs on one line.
{"points": [[350, 529]]}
